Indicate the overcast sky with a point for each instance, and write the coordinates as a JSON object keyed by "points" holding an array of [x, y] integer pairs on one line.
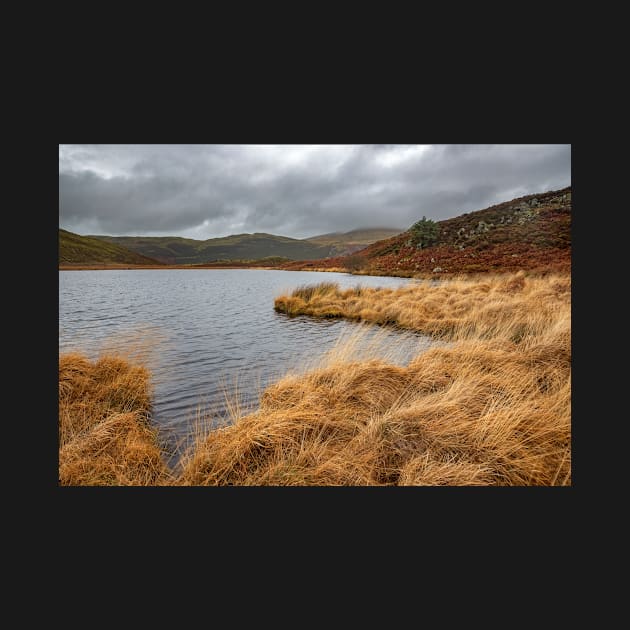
{"points": [[204, 191]]}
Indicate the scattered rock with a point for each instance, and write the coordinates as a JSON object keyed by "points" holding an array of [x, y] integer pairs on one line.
{"points": [[437, 270], [560, 199]]}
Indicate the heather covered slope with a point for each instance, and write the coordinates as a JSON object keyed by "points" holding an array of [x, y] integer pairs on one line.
{"points": [[530, 233], [76, 249]]}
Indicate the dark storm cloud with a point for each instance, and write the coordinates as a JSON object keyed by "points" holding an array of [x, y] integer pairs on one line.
{"points": [[203, 191]]}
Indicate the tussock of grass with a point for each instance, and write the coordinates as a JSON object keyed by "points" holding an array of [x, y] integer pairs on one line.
{"points": [[310, 292], [104, 435]]}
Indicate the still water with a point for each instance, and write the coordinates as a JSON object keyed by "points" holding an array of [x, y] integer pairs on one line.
{"points": [[205, 333]]}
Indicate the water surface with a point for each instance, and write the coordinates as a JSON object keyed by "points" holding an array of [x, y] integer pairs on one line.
{"points": [[206, 331]]}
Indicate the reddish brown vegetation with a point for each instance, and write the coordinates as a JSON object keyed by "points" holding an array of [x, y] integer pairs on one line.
{"points": [[531, 233]]}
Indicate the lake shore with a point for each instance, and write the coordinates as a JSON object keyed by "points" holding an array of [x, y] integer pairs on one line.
{"points": [[112, 267], [491, 408]]}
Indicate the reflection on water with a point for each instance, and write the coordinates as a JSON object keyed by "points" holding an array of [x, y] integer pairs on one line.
{"points": [[205, 334]]}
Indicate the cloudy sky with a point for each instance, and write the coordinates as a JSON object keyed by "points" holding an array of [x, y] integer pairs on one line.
{"points": [[204, 191]]}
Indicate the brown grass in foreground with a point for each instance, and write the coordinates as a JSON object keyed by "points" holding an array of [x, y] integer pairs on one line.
{"points": [[104, 435], [494, 408], [491, 408]]}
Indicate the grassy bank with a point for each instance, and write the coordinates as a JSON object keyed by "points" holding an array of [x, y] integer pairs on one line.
{"points": [[493, 407], [510, 306], [104, 433]]}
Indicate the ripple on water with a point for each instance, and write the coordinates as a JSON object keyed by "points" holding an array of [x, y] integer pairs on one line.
{"points": [[202, 333]]}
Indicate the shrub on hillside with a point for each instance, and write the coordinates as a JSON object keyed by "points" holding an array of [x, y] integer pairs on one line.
{"points": [[424, 233]]}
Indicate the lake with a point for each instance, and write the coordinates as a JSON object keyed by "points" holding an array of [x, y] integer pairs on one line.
{"points": [[204, 333]]}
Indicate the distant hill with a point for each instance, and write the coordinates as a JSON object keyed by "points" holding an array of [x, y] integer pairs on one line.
{"points": [[530, 232], [183, 251], [74, 248], [342, 243]]}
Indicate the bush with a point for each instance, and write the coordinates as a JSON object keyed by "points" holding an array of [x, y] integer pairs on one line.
{"points": [[424, 233]]}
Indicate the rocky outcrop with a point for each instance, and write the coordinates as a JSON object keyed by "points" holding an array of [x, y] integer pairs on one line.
{"points": [[525, 211]]}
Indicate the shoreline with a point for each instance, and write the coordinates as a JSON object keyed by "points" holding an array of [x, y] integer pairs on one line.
{"points": [[535, 272], [97, 267]]}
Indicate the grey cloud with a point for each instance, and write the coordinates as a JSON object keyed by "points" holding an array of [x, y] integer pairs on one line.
{"points": [[213, 190]]}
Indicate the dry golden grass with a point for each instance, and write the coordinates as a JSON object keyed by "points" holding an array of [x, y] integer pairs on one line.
{"points": [[511, 306], [492, 408], [104, 435]]}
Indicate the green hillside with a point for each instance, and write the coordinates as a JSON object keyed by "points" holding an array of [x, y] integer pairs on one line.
{"points": [[84, 249], [183, 251]]}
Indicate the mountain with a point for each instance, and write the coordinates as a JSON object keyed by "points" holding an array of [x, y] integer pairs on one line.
{"points": [[531, 232], [84, 249], [342, 243], [182, 251]]}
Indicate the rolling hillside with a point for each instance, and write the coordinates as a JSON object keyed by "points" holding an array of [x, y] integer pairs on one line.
{"points": [[531, 232], [75, 249], [343, 243], [183, 251]]}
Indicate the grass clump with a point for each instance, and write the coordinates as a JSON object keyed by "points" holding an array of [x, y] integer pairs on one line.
{"points": [[310, 292], [306, 295], [104, 433]]}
